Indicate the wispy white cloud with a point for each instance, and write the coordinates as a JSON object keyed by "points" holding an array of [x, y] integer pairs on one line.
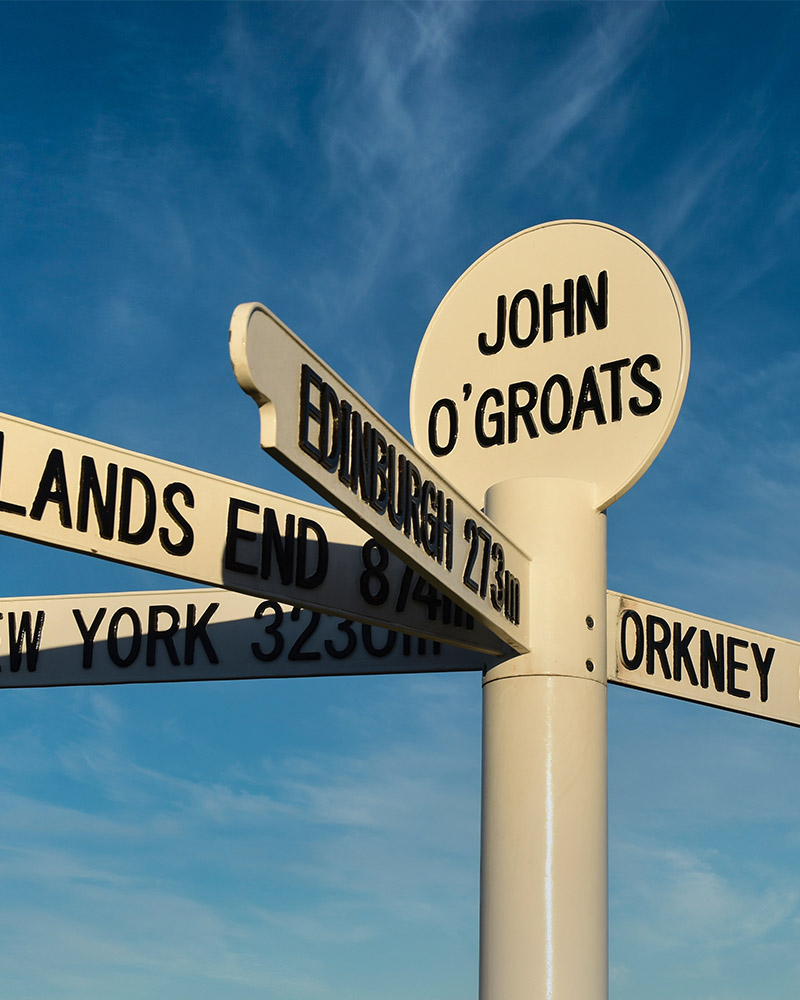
{"points": [[563, 94], [713, 192], [692, 905], [683, 208], [142, 940], [386, 834], [23, 814]]}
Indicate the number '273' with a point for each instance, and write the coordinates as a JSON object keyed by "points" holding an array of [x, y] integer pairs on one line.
{"points": [[487, 560]]}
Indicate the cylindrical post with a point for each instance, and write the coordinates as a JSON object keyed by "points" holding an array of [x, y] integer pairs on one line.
{"points": [[544, 840]]}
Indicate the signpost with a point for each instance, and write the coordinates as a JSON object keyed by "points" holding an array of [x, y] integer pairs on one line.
{"points": [[562, 352], [546, 383], [548, 380], [661, 649], [196, 635], [212, 634], [89, 497], [318, 427]]}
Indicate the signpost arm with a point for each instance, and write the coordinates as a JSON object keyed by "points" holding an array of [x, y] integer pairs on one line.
{"points": [[544, 881]]}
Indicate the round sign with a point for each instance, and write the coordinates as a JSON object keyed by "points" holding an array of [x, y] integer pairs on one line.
{"points": [[562, 352]]}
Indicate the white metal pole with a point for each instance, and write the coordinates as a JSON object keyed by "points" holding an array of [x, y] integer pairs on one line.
{"points": [[544, 839]]}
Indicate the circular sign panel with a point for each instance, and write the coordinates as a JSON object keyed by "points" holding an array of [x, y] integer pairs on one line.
{"points": [[562, 352]]}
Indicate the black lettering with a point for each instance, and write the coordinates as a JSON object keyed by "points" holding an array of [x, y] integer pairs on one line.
{"points": [[471, 536], [183, 546], [235, 534], [104, 503], [483, 341], [404, 589], [308, 411], [28, 636], [272, 629], [5, 506], [486, 538], [548, 423], [498, 419], [637, 407], [88, 632], [517, 410], [497, 589], [196, 629], [763, 663], [412, 501], [631, 660], [713, 658], [144, 532], [681, 656], [378, 457], [155, 633], [428, 520], [281, 544], [525, 295], [305, 577], [734, 665], [375, 559], [589, 399], [421, 646], [425, 593], [596, 304], [329, 437], [567, 307], [614, 368], [346, 627], [53, 489], [657, 644], [345, 420], [396, 509], [298, 652], [511, 597], [445, 531], [369, 643], [433, 427], [112, 642], [360, 471]]}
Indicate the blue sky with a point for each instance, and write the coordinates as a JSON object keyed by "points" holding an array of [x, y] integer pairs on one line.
{"points": [[344, 164]]}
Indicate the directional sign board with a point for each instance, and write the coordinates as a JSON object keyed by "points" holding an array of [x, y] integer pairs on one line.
{"points": [[182, 635], [562, 352], [318, 427], [82, 495], [193, 635], [688, 656]]}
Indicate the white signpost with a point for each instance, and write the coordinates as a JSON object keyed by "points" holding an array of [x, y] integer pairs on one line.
{"points": [[90, 497], [198, 635], [207, 634], [562, 352], [688, 656], [547, 381], [318, 427]]}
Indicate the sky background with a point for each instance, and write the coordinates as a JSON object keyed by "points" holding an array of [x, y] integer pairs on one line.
{"points": [[318, 839]]}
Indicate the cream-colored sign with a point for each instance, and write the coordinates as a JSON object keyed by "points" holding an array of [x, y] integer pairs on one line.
{"points": [[198, 635], [317, 426], [562, 352], [677, 653], [212, 634], [64, 490]]}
